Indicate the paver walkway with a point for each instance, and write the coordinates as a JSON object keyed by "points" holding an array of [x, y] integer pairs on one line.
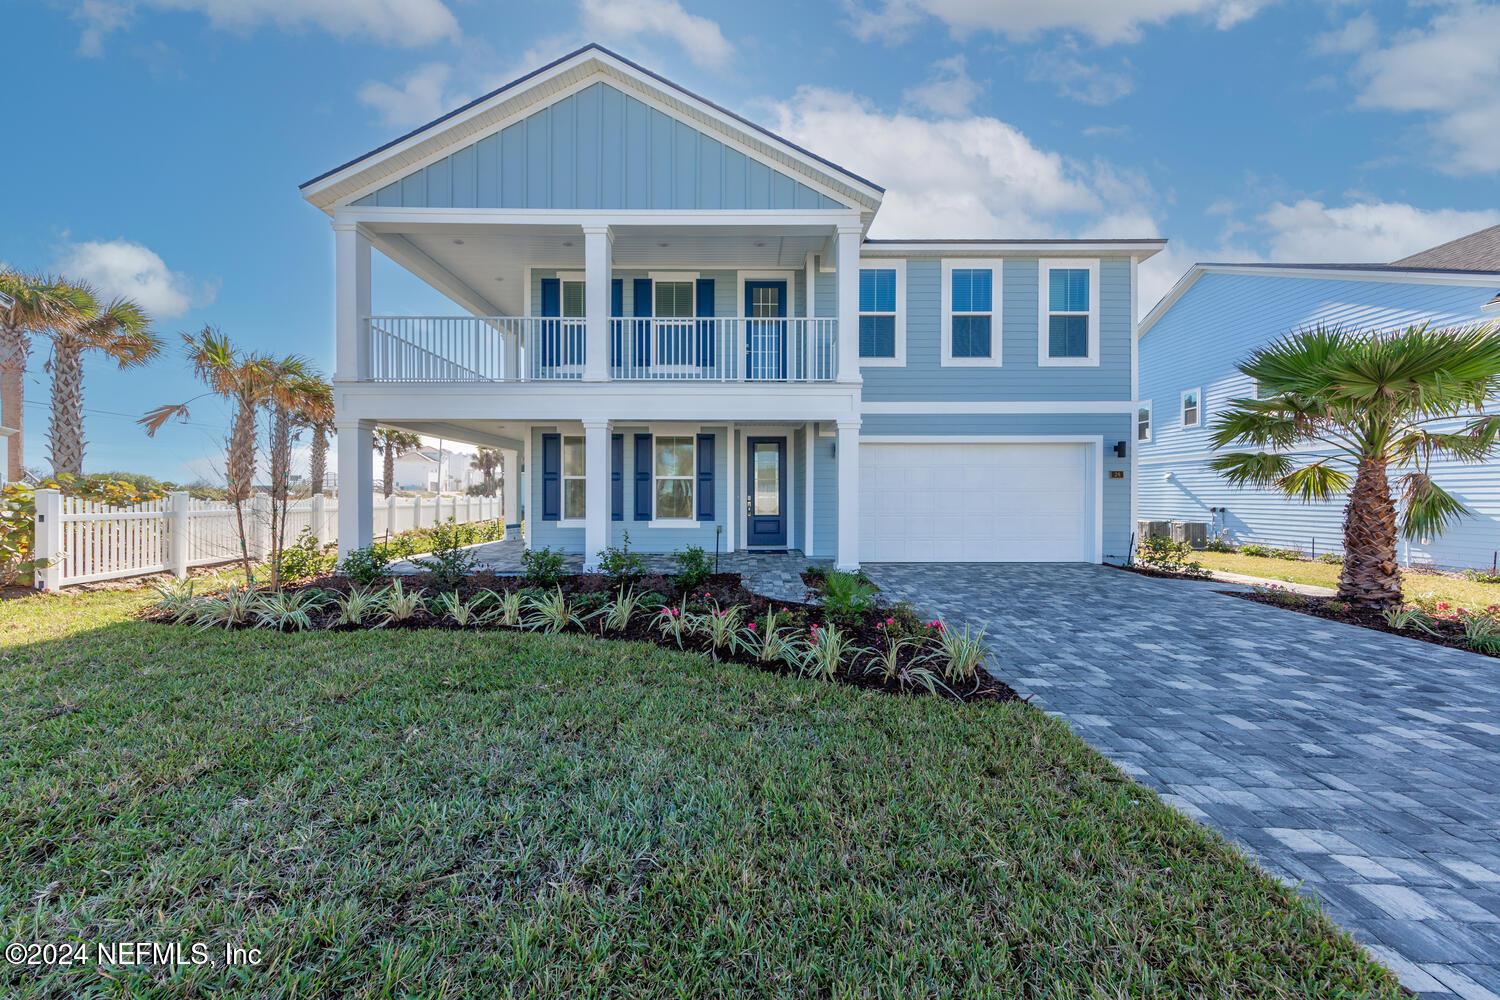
{"points": [[1363, 765]]}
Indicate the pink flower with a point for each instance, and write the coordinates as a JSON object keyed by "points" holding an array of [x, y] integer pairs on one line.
{"points": [[752, 626], [890, 621], [1442, 605]]}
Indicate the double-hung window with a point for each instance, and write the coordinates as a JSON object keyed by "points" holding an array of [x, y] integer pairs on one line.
{"points": [[1069, 333], [971, 330], [1192, 408], [573, 489], [1143, 421], [882, 308], [674, 467]]}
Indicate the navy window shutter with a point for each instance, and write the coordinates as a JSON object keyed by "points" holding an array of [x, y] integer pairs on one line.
{"points": [[616, 328], [551, 477], [551, 332], [705, 310], [641, 296], [705, 477], [617, 477], [643, 477]]}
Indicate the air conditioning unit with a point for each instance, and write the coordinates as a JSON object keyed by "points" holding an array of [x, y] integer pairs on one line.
{"points": [[1152, 529], [1195, 533]]}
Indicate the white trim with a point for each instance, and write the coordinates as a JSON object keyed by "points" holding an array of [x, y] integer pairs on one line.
{"points": [[810, 276], [1150, 422], [1198, 408], [1045, 313], [531, 482], [809, 442], [1138, 249], [898, 360], [1331, 272], [789, 275], [1135, 340], [658, 432], [731, 435], [1094, 441], [1002, 406], [996, 267], [563, 520], [656, 276]]}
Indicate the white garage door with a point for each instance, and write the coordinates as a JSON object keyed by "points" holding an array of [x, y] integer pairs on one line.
{"points": [[934, 502]]}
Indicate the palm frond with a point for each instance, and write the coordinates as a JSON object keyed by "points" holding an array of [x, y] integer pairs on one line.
{"points": [[1429, 509], [156, 419], [1474, 442], [1261, 468], [1316, 481]]}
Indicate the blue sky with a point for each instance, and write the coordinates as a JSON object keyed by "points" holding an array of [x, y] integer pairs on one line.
{"points": [[159, 143]]}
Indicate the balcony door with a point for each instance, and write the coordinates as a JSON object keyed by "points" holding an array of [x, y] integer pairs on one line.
{"points": [[765, 330]]}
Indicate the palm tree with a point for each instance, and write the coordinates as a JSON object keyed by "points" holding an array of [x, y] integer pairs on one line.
{"points": [[391, 441], [315, 412], [243, 379], [487, 460], [122, 331], [36, 304], [292, 389], [1363, 403]]}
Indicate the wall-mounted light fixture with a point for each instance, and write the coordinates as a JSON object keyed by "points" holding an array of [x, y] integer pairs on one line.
{"points": [[1120, 449]]}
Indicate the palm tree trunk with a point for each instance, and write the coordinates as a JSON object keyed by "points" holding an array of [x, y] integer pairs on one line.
{"points": [[319, 459], [242, 453], [14, 348], [281, 461], [66, 433], [1371, 576], [390, 468]]}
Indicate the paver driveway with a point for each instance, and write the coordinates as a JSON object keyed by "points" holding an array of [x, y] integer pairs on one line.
{"points": [[1361, 764]]}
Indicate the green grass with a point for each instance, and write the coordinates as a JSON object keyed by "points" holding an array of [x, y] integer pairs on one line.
{"points": [[1445, 588], [436, 813]]}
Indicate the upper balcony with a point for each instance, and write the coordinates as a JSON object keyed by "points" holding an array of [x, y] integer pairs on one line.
{"points": [[642, 348]]}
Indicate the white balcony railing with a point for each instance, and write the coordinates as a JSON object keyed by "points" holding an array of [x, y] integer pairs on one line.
{"points": [[536, 348]]}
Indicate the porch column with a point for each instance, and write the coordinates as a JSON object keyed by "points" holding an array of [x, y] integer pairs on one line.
{"points": [[510, 491], [596, 491], [597, 245], [848, 304], [351, 301], [848, 465], [356, 485]]}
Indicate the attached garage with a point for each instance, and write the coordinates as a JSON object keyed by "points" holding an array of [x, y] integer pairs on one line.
{"points": [[937, 501]]}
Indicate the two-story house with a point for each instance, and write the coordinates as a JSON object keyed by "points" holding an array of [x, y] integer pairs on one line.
{"points": [[676, 325], [1212, 320]]}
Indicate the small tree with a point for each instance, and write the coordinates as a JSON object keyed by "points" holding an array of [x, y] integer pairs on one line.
{"points": [[488, 461], [37, 304], [1361, 403], [392, 442]]}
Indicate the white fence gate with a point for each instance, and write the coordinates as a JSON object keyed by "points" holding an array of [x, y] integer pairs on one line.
{"points": [[84, 541]]}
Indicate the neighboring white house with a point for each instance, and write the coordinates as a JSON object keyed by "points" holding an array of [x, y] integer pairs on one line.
{"points": [[1217, 314], [437, 470], [675, 324]]}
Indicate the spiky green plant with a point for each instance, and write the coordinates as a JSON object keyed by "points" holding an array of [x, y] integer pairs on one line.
{"points": [[287, 610], [959, 655], [401, 604], [1407, 618], [358, 606], [674, 623], [619, 612], [550, 613], [721, 626], [508, 608], [1337, 410], [825, 650], [228, 609], [176, 600], [465, 614]]}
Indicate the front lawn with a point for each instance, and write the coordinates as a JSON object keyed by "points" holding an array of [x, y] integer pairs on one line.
{"points": [[1455, 590], [444, 813]]}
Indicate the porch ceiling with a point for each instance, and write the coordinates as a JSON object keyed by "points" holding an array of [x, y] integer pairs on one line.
{"points": [[490, 261]]}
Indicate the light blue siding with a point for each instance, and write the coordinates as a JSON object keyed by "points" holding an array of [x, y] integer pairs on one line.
{"points": [[598, 148], [726, 289], [1216, 324], [825, 498]]}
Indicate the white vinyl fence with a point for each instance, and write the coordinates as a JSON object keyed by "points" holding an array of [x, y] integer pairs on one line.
{"points": [[84, 541]]}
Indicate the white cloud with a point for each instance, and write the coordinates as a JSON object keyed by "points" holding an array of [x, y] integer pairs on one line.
{"points": [[1104, 21], [1450, 72], [1355, 36], [1310, 231], [948, 92], [418, 97], [121, 267], [1081, 79], [700, 38], [391, 22]]}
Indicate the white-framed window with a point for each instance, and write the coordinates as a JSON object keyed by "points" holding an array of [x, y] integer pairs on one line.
{"points": [[1068, 332], [1143, 420], [882, 314], [674, 478], [574, 465], [571, 294], [674, 299], [1192, 407], [971, 312]]}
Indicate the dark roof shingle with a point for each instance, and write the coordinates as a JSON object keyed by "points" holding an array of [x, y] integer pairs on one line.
{"points": [[1475, 252]]}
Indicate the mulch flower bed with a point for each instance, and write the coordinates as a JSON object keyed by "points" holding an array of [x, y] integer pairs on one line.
{"points": [[1447, 629], [867, 633]]}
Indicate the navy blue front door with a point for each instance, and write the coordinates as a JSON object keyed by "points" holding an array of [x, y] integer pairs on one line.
{"points": [[765, 522], [765, 329]]}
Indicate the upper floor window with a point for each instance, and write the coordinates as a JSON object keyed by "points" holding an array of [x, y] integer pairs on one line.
{"points": [[1143, 421], [877, 312], [674, 299], [1069, 333], [1192, 409], [674, 477], [970, 332], [573, 490]]}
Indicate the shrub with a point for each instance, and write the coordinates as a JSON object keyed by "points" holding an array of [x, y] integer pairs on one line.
{"points": [[1408, 618], [543, 566], [304, 558], [366, 565], [1220, 544], [17, 535], [1332, 558], [846, 593], [1280, 594], [620, 564], [1480, 576], [1481, 632], [694, 567], [1169, 556], [449, 563]]}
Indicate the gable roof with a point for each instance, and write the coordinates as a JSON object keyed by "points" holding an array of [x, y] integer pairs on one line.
{"points": [[593, 61], [1475, 252]]}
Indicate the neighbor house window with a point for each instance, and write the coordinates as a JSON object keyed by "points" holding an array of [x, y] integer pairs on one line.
{"points": [[674, 477], [1192, 410], [877, 312], [970, 332], [1143, 421], [1069, 333], [573, 489]]}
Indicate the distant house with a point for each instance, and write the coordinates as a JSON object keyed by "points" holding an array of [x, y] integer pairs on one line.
{"points": [[1218, 313], [436, 470]]}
